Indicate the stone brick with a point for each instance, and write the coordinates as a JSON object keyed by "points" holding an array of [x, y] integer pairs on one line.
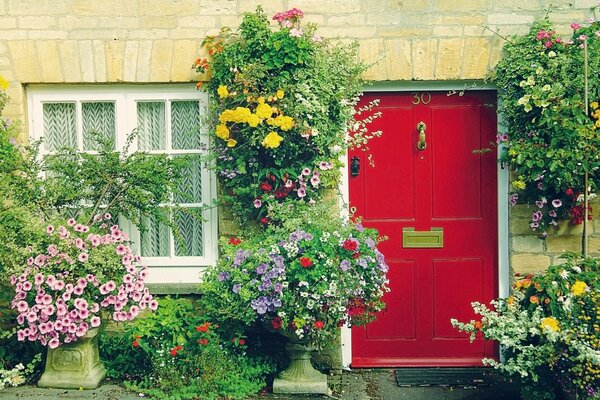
{"points": [[145, 34], [188, 33], [373, 52], [447, 31], [417, 32], [218, 7], [153, 22], [346, 20], [496, 51], [383, 20], [71, 22], [451, 19], [5, 62], [99, 60], [527, 244], [37, 22], [98, 34], [477, 30], [86, 56], [509, 19], [423, 60], [183, 50], [408, 5], [26, 63], [2, 7], [169, 8], [47, 35], [48, 52], [144, 57], [372, 6], [453, 6], [131, 59], [318, 19], [449, 59], [196, 21], [328, 7], [10, 34], [520, 226], [398, 61], [348, 32], [519, 5], [69, 55], [560, 244], [526, 263], [115, 51], [7, 23], [476, 58], [565, 227], [38, 7], [107, 7], [3, 48], [160, 64], [270, 7]]}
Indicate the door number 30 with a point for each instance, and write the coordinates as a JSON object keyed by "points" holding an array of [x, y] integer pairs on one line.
{"points": [[421, 98]]}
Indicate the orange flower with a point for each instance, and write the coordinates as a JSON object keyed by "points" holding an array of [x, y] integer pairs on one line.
{"points": [[534, 300], [477, 325], [203, 328], [203, 342]]}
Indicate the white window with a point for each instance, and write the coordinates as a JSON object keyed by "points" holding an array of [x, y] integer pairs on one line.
{"points": [[168, 119]]}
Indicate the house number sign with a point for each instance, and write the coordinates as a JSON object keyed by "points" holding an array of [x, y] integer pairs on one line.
{"points": [[421, 98]]}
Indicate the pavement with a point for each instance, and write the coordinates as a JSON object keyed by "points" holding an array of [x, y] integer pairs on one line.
{"points": [[363, 384]]}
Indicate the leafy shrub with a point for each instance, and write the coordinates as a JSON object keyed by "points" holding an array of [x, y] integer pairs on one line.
{"points": [[549, 329]]}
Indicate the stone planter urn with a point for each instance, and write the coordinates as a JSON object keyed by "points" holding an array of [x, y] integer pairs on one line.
{"points": [[300, 376], [74, 365]]}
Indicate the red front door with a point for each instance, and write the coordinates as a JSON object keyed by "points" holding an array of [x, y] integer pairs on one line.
{"points": [[447, 187]]}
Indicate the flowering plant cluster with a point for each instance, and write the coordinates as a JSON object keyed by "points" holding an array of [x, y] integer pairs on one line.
{"points": [[304, 284], [62, 292], [549, 329], [283, 101], [549, 139]]}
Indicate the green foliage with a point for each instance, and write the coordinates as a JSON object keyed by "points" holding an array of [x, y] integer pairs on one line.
{"points": [[549, 330], [551, 143], [175, 354], [283, 101]]}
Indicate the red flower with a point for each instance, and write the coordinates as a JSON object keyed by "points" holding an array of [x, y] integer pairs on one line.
{"points": [[319, 324], [350, 244], [276, 323], [306, 262], [234, 241], [242, 342], [569, 191], [174, 350], [203, 328], [264, 220], [355, 255], [136, 343], [266, 187], [203, 342]]}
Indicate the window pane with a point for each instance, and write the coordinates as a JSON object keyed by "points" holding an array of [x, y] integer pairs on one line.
{"points": [[190, 187], [155, 239], [152, 126], [98, 121], [185, 123], [189, 241], [60, 129]]}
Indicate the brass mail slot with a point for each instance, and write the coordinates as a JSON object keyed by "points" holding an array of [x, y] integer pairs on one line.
{"points": [[432, 239]]}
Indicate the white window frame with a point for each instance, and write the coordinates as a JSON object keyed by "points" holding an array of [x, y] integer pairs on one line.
{"points": [[163, 270]]}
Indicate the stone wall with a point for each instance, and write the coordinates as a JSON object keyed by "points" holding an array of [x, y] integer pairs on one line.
{"points": [[156, 41]]}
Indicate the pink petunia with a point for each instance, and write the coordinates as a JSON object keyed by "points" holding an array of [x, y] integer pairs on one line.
{"points": [[83, 257], [49, 229], [95, 322]]}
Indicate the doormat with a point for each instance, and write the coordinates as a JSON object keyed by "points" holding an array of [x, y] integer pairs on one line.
{"points": [[446, 377]]}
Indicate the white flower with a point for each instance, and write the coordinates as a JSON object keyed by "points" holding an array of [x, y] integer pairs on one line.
{"points": [[563, 274]]}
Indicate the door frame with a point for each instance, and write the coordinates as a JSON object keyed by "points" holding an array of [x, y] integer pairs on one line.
{"points": [[502, 185]]}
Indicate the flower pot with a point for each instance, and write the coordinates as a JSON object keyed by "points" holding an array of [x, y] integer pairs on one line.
{"points": [[300, 376], [74, 365]]}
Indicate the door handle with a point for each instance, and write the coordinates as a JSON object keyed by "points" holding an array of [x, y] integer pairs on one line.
{"points": [[421, 144]]}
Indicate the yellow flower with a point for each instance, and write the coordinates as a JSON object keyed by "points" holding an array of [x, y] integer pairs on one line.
{"points": [[285, 123], [260, 100], [280, 93], [272, 140], [518, 185], [578, 288], [253, 120], [222, 91], [226, 116], [3, 83], [264, 110], [222, 131], [271, 121], [593, 104], [241, 114], [231, 142], [550, 323], [597, 123]]}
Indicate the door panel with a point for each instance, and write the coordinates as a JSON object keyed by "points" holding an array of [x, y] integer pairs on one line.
{"points": [[448, 185]]}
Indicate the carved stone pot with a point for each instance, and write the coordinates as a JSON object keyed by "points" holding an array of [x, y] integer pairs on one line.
{"points": [[300, 376], [74, 365]]}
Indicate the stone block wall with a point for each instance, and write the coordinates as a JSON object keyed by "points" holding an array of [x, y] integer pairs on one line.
{"points": [[156, 41]]}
